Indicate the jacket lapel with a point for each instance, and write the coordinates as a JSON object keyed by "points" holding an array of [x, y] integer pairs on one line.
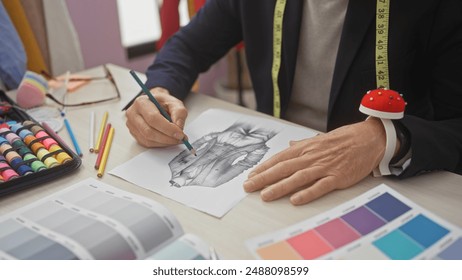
{"points": [[359, 17]]}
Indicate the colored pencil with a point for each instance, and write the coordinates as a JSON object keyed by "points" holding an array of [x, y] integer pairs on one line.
{"points": [[103, 146], [101, 131], [107, 148], [74, 140], [91, 136]]}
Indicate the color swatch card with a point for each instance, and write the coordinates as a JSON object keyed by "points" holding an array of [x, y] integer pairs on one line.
{"points": [[380, 224], [93, 220]]}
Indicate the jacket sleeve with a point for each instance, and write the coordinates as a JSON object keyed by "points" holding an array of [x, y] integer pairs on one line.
{"points": [[195, 47], [436, 142]]}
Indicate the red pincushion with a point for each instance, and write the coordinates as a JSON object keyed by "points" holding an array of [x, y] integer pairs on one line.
{"points": [[383, 103]]}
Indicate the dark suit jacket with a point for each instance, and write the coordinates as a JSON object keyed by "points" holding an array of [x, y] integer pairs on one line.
{"points": [[425, 64]]}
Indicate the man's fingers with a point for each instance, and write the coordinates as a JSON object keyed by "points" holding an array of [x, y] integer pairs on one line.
{"points": [[157, 121], [297, 180], [287, 154], [172, 105], [148, 136], [178, 113], [274, 173], [310, 193], [149, 127]]}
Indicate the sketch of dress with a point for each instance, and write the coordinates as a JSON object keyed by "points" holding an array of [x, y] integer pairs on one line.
{"points": [[221, 156]]}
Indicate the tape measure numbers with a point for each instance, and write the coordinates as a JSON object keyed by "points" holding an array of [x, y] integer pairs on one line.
{"points": [[381, 44], [381, 49]]}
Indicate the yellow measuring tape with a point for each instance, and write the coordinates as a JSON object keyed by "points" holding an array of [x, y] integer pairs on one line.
{"points": [[381, 49], [277, 46], [381, 43]]}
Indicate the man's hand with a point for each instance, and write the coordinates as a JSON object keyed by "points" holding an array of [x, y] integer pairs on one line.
{"points": [[311, 168], [147, 125]]}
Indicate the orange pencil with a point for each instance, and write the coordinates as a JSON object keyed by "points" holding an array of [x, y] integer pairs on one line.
{"points": [[107, 148], [102, 146]]}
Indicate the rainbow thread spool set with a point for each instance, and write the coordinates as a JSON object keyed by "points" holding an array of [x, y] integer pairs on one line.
{"points": [[29, 154], [26, 149]]}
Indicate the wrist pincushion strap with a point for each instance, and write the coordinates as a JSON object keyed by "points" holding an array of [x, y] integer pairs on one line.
{"points": [[387, 105]]}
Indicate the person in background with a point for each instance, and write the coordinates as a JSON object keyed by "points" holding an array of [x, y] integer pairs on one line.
{"points": [[327, 65]]}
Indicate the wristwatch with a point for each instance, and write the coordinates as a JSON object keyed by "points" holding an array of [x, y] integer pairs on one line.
{"points": [[402, 159], [403, 136]]}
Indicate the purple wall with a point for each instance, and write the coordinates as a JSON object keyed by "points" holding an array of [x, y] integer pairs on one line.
{"points": [[96, 22], [97, 25]]}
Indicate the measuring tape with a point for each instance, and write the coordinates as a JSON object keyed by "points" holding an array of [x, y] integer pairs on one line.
{"points": [[277, 46], [381, 44], [381, 49]]}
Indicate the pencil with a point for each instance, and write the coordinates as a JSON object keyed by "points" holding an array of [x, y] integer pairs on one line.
{"points": [[92, 132], [107, 148], [161, 109], [74, 140], [101, 130], [103, 145]]}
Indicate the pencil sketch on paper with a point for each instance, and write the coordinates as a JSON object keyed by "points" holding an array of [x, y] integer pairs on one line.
{"points": [[221, 156]]}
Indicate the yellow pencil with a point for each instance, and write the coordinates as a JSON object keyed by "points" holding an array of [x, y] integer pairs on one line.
{"points": [[107, 147], [101, 131]]}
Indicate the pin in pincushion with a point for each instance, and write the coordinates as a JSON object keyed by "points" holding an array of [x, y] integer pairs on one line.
{"points": [[383, 103], [387, 105]]}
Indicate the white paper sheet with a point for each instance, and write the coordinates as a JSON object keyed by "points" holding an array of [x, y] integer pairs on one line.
{"points": [[228, 144]]}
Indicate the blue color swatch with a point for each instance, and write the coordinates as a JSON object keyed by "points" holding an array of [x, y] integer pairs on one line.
{"points": [[397, 246], [424, 231], [453, 252], [388, 207]]}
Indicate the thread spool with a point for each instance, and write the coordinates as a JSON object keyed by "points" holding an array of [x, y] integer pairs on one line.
{"points": [[20, 130], [17, 144], [49, 142], [21, 166], [23, 150], [35, 163], [59, 154], [35, 145], [46, 158], [13, 158], [7, 172]]}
